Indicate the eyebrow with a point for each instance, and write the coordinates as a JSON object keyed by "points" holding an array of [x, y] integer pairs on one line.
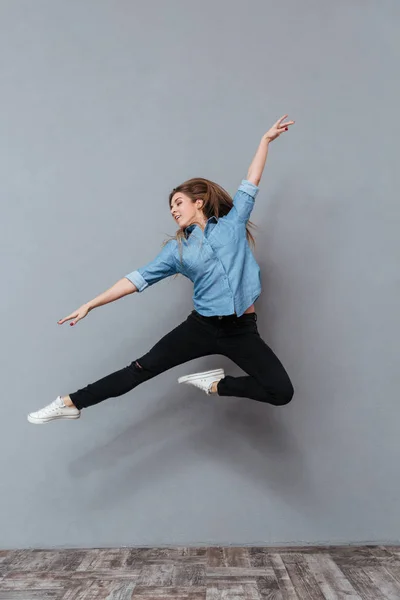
{"points": [[176, 199]]}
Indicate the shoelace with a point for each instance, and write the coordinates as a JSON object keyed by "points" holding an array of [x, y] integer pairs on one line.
{"points": [[51, 407]]}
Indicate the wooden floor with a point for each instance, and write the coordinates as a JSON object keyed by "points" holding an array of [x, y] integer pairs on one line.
{"points": [[229, 573]]}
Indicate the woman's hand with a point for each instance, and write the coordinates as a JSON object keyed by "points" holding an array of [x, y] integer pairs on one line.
{"points": [[277, 129], [77, 315]]}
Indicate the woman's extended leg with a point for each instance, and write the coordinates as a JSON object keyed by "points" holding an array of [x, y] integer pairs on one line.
{"points": [[187, 341], [184, 343]]}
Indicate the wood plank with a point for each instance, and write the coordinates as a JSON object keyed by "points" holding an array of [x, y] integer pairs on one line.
{"points": [[284, 582], [122, 591], [91, 590], [169, 592], [215, 572], [236, 557], [75, 576], [142, 556], [4, 554], [330, 578], [100, 559], [88, 559], [112, 559], [68, 560], [384, 581], [302, 578], [383, 556], [27, 595], [192, 551], [229, 580], [260, 557], [244, 591], [189, 575], [215, 557], [156, 575], [33, 560], [395, 550], [268, 588], [352, 556], [33, 581], [16, 558], [100, 590], [394, 571], [292, 549], [362, 583]]}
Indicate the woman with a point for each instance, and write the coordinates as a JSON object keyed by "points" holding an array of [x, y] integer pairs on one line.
{"points": [[210, 248]]}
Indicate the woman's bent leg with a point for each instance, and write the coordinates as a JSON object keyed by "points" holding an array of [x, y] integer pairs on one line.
{"points": [[186, 342], [267, 379]]}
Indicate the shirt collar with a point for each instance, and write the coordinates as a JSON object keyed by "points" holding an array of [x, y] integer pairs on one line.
{"points": [[188, 230]]}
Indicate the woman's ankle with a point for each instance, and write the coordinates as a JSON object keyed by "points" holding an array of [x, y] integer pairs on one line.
{"points": [[214, 387], [68, 402]]}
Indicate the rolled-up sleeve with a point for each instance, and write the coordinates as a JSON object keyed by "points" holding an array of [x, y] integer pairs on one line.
{"points": [[243, 201], [162, 266]]}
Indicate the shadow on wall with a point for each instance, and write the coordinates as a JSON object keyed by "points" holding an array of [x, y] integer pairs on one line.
{"points": [[243, 436]]}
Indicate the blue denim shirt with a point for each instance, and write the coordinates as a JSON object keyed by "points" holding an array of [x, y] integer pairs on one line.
{"points": [[218, 260]]}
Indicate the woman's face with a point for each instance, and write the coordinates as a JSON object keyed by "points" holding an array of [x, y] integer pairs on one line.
{"points": [[184, 211]]}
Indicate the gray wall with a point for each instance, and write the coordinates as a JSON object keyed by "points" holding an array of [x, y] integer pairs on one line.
{"points": [[105, 107]]}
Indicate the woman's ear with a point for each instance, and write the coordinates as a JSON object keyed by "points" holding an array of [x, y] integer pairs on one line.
{"points": [[201, 203]]}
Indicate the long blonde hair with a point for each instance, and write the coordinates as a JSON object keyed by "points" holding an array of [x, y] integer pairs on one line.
{"points": [[216, 202]]}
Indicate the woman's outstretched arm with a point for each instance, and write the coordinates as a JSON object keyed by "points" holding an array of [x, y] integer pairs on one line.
{"points": [[258, 163], [122, 288], [162, 266], [118, 290]]}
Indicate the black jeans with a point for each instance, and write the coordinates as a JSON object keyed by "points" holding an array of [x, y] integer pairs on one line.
{"points": [[232, 336]]}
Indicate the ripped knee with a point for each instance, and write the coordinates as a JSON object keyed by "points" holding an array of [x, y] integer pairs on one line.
{"points": [[140, 368]]}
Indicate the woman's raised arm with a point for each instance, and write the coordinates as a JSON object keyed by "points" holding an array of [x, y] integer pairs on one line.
{"points": [[258, 163]]}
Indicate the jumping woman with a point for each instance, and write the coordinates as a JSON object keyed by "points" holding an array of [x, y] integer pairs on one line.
{"points": [[211, 248]]}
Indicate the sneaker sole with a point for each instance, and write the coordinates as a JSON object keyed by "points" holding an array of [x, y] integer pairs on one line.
{"points": [[43, 421], [216, 372]]}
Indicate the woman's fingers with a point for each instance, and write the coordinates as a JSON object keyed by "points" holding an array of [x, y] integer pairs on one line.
{"points": [[279, 123], [284, 127], [71, 316], [77, 315], [80, 315], [285, 124]]}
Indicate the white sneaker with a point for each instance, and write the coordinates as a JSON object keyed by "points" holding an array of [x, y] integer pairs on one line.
{"points": [[203, 380], [54, 410]]}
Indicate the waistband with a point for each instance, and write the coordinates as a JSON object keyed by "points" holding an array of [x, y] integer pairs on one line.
{"points": [[227, 318]]}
